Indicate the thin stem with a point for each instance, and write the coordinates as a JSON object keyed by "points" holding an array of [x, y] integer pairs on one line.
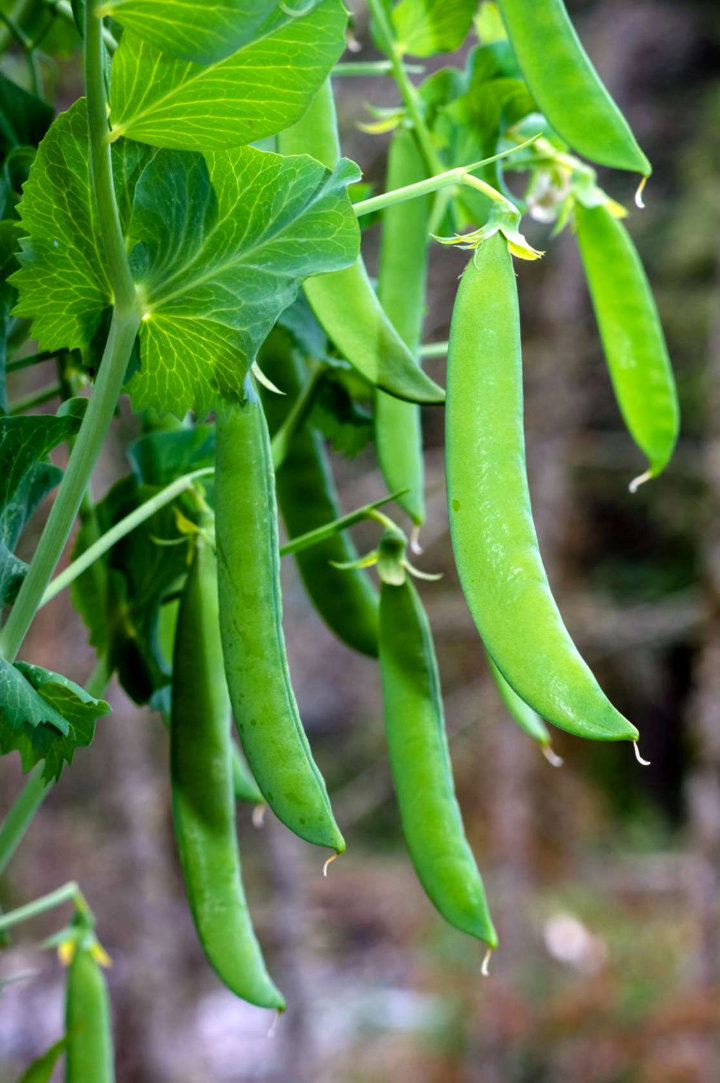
{"points": [[113, 242], [408, 92], [434, 349], [99, 679], [67, 893], [314, 537], [124, 527], [30, 359], [16, 18], [375, 67], [21, 815], [35, 398], [64, 8], [295, 420], [123, 330]]}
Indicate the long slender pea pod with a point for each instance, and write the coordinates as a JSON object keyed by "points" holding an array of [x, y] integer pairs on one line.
{"points": [[261, 694], [89, 1052], [566, 86], [528, 720], [202, 791], [345, 599], [401, 289], [421, 767], [631, 334], [344, 301], [493, 534]]}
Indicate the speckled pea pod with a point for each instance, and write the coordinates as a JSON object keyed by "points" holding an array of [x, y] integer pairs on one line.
{"points": [[261, 694], [401, 289], [201, 773], [493, 534], [89, 1053], [631, 334], [566, 86], [421, 768], [344, 301]]}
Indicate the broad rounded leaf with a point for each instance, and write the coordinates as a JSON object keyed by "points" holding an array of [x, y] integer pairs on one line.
{"points": [[262, 88], [426, 27]]}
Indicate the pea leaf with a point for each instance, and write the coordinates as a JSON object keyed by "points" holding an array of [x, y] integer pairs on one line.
{"points": [[61, 282], [262, 88], [24, 118], [426, 27], [203, 32], [9, 233], [25, 479], [44, 716], [215, 274]]}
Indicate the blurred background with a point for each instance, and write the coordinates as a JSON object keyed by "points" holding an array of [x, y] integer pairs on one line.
{"points": [[604, 877]]}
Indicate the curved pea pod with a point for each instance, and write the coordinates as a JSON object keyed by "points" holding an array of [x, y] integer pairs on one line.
{"points": [[89, 1052], [345, 599], [566, 87], [528, 720], [256, 667], [344, 301], [245, 788], [421, 767], [631, 334], [401, 290], [203, 803], [493, 534]]}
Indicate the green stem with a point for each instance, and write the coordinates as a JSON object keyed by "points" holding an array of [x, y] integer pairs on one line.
{"points": [[67, 893], [434, 349], [16, 18], [295, 420], [64, 8], [123, 330], [124, 527], [314, 537], [458, 176], [30, 359], [408, 92], [99, 679], [35, 398], [375, 67], [21, 815]]}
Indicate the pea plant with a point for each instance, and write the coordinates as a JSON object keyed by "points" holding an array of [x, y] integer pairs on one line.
{"points": [[187, 234]]}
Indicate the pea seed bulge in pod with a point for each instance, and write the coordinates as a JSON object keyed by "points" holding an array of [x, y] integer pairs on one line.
{"points": [[359, 511]]}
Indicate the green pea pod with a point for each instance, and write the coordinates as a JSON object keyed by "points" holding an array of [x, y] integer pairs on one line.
{"points": [[493, 535], [245, 788], [89, 1053], [262, 698], [528, 720], [345, 599], [401, 290], [421, 767], [631, 333], [344, 301], [566, 87], [202, 791]]}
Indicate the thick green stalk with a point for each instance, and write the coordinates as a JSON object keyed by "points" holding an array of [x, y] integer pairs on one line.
{"points": [[123, 329], [21, 815]]}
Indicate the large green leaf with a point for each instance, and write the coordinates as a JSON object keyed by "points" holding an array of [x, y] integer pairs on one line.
{"points": [[62, 283], [221, 250], [262, 88], [203, 32], [9, 233], [44, 716], [426, 27]]}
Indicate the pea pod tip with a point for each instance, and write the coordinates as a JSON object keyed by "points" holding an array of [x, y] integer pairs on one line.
{"points": [[329, 861], [638, 757], [551, 756], [639, 480], [258, 815], [485, 965]]}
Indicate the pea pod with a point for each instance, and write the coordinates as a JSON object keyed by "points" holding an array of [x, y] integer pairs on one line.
{"points": [[202, 791], [631, 333], [421, 767], [245, 788], [346, 600], [493, 535], [566, 87], [525, 717], [89, 1052], [401, 290], [262, 698], [344, 301]]}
